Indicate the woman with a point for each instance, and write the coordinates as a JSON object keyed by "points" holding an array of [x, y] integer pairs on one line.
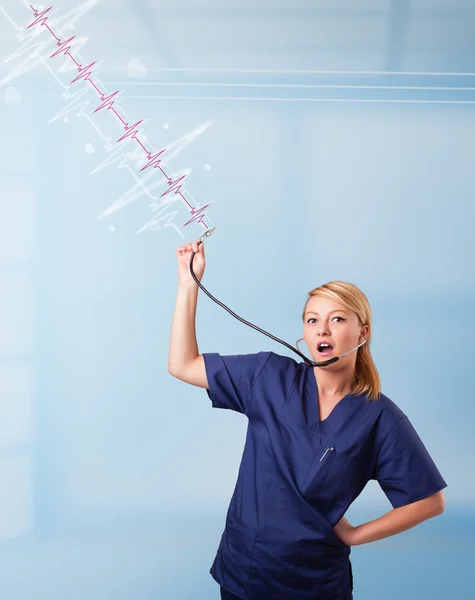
{"points": [[316, 436]]}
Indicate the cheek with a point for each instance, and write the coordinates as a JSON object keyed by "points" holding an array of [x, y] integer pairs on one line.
{"points": [[342, 335]]}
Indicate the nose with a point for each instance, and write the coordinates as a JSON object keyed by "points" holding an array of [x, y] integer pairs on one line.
{"points": [[322, 330]]}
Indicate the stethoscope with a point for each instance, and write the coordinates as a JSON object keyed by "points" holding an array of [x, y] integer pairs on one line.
{"points": [[309, 362]]}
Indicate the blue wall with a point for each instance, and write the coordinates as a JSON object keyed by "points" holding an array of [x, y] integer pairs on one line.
{"points": [[333, 141]]}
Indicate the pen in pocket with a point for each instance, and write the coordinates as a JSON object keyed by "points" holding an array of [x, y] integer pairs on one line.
{"points": [[327, 450]]}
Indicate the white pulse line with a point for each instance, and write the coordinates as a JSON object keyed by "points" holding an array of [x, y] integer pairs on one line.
{"points": [[305, 72], [81, 113], [95, 126], [296, 86], [2, 10], [34, 48], [301, 99], [128, 155], [105, 139]]}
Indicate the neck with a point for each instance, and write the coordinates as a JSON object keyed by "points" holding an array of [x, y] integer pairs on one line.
{"points": [[337, 383]]}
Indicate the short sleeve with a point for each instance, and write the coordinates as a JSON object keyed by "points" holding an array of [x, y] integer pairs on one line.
{"points": [[405, 470], [231, 379]]}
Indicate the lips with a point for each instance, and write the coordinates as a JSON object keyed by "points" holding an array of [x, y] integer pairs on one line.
{"points": [[324, 348]]}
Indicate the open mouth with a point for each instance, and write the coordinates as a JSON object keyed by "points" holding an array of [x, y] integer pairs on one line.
{"points": [[324, 349]]}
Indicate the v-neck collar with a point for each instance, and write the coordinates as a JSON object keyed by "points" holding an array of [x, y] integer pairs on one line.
{"points": [[314, 409]]}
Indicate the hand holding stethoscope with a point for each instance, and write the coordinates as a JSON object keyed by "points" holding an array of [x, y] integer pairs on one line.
{"points": [[197, 249], [186, 268]]}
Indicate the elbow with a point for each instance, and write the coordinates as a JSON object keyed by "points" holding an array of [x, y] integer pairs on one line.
{"points": [[437, 503], [429, 507], [172, 372], [175, 366], [176, 373], [441, 504]]}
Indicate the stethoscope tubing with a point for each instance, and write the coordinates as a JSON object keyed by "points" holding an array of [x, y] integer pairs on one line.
{"points": [[273, 337]]}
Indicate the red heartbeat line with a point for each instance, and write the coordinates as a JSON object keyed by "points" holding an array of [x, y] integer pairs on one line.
{"points": [[107, 103]]}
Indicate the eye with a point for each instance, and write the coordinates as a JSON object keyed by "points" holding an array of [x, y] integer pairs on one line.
{"points": [[313, 319]]}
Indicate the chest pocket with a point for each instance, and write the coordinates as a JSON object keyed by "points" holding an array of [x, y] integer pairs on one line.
{"points": [[330, 481]]}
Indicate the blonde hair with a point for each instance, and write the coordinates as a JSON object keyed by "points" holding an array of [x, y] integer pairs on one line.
{"points": [[352, 298]]}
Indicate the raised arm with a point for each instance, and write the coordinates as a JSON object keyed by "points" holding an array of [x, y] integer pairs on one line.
{"points": [[184, 360]]}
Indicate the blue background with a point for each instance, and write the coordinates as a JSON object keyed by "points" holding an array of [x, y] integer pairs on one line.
{"points": [[334, 140]]}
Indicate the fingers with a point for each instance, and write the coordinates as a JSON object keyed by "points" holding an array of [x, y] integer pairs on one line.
{"points": [[190, 247]]}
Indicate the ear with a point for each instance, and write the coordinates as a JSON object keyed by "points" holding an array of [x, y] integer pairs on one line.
{"points": [[364, 333]]}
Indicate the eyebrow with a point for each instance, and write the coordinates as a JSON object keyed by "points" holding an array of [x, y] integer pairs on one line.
{"points": [[332, 311]]}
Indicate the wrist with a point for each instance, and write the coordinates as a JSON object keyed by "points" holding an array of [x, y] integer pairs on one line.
{"points": [[187, 288]]}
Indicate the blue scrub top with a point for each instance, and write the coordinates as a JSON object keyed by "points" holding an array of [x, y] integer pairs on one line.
{"points": [[298, 476]]}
